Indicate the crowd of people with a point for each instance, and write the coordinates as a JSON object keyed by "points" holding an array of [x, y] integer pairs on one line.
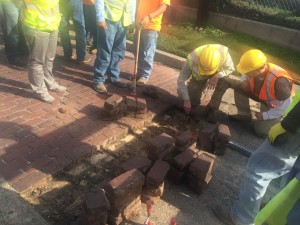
{"points": [[31, 30]]}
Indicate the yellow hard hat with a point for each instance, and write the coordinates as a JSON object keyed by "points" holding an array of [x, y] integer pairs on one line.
{"points": [[251, 60], [209, 60]]}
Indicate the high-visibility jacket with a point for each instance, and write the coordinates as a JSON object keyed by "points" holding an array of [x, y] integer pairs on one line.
{"points": [[193, 59], [277, 210], [267, 91], [41, 15], [115, 10]]}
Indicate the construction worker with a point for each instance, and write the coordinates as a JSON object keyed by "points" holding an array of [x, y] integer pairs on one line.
{"points": [[263, 82], [207, 67], [113, 18], [149, 15], [89, 13], [271, 160], [40, 20], [15, 46]]}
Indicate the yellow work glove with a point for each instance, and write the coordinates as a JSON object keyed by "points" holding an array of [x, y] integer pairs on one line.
{"points": [[275, 131]]}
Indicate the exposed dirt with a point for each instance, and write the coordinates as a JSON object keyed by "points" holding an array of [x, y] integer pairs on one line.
{"points": [[60, 200]]}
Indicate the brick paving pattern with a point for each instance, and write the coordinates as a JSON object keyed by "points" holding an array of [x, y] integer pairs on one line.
{"points": [[38, 139]]}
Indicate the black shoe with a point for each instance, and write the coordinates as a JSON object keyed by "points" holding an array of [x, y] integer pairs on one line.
{"points": [[238, 117], [120, 84], [18, 62], [223, 214]]}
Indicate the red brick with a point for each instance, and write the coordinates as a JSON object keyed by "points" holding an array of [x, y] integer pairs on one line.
{"points": [[157, 174], [141, 106], [113, 101], [123, 189], [186, 138], [205, 139], [131, 103], [142, 163], [56, 165], [176, 176], [182, 161], [160, 146], [196, 184], [201, 167], [96, 202], [16, 153]]}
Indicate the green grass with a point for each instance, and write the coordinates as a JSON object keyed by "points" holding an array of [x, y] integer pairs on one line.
{"points": [[181, 39]]}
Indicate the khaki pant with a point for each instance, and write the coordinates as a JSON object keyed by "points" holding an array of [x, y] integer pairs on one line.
{"points": [[261, 127]]}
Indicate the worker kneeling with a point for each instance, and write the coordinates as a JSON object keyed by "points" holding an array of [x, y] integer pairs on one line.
{"points": [[263, 82], [207, 68]]}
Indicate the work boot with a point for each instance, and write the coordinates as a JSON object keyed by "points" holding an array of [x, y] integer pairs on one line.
{"points": [[141, 82], [223, 214], [100, 88], [87, 59], [45, 97], [120, 84], [58, 88], [239, 117]]}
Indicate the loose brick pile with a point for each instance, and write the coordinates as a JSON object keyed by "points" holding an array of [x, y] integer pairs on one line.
{"points": [[117, 106], [144, 176]]}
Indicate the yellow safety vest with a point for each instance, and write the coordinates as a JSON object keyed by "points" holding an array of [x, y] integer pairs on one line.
{"points": [[41, 15], [116, 10], [193, 59]]}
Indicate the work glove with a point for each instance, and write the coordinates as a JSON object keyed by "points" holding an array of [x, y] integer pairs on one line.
{"points": [[275, 131]]}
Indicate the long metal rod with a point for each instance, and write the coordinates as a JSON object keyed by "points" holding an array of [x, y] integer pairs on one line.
{"points": [[137, 50], [240, 148]]}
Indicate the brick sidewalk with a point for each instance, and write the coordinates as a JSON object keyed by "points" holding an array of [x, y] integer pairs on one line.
{"points": [[38, 139]]}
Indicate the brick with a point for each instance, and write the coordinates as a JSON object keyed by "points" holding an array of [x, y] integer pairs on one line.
{"points": [[131, 103], [205, 139], [115, 113], [157, 174], [142, 163], [202, 166], [141, 106], [159, 145], [182, 161], [124, 188], [96, 202], [113, 101], [196, 184], [175, 176], [186, 138], [223, 130]]}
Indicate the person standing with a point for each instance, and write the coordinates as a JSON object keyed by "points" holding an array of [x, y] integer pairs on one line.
{"points": [[73, 9], [149, 17], [202, 14], [15, 46], [266, 83], [207, 67], [89, 12], [40, 19], [113, 18], [271, 160]]}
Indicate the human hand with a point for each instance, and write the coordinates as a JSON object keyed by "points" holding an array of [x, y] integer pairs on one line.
{"points": [[103, 25], [212, 82], [145, 21], [259, 115], [187, 106], [275, 131]]}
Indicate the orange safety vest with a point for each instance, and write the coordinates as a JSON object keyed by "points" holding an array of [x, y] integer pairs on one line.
{"points": [[267, 91]]}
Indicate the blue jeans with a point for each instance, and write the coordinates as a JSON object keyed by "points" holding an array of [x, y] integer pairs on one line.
{"points": [[90, 22], [268, 162], [9, 17], [148, 43], [72, 9], [111, 47]]}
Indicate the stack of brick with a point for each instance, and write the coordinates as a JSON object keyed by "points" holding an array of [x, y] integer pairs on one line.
{"points": [[180, 165], [124, 195], [141, 163], [136, 107], [154, 187], [186, 140], [199, 173], [114, 108], [221, 139], [161, 146], [94, 209]]}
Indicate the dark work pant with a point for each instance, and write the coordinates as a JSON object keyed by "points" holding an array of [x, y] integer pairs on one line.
{"points": [[202, 13]]}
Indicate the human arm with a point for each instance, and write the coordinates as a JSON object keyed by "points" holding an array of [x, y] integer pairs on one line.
{"points": [[147, 19], [226, 69], [99, 6], [184, 75], [278, 111]]}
